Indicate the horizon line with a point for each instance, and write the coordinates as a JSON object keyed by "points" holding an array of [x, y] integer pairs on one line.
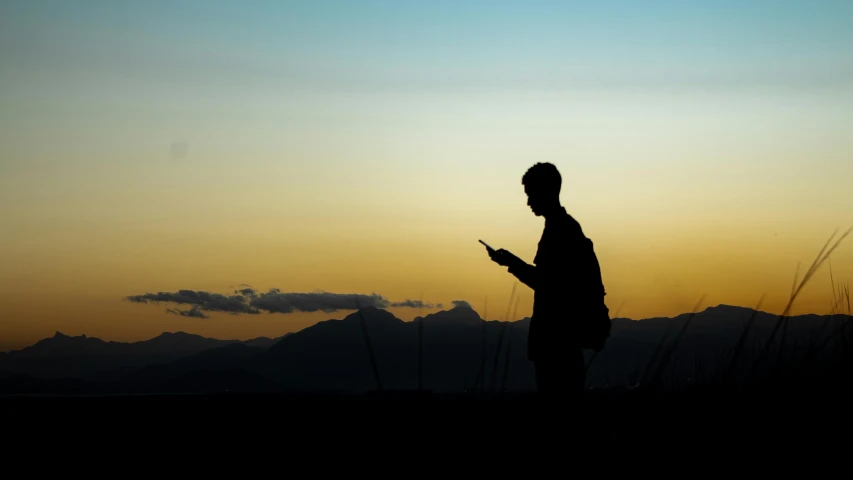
{"points": [[355, 312]]}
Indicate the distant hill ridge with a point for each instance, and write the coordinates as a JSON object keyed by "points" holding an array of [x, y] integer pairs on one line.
{"points": [[333, 355], [461, 315]]}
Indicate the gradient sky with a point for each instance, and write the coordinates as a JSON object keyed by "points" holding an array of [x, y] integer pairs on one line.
{"points": [[359, 147]]}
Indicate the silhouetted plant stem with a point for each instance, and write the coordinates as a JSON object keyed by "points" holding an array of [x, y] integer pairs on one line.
{"points": [[726, 374], [421, 346], [669, 351], [369, 347], [815, 265]]}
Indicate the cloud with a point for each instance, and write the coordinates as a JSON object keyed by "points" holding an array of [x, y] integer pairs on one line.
{"points": [[249, 292], [192, 312], [248, 300], [233, 304], [413, 304], [276, 301], [461, 303]]}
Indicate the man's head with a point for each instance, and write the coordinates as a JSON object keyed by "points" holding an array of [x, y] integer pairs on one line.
{"points": [[542, 184]]}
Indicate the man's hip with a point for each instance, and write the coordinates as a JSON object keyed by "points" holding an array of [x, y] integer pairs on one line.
{"points": [[552, 340]]}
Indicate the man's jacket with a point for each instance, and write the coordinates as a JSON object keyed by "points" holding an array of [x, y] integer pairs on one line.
{"points": [[567, 286]]}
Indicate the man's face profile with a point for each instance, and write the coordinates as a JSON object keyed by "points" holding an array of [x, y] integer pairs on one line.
{"points": [[534, 200]]}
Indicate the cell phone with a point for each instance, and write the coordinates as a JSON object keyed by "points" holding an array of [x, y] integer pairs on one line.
{"points": [[486, 244]]}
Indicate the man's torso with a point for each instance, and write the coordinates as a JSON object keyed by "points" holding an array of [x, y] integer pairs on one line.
{"points": [[570, 284]]}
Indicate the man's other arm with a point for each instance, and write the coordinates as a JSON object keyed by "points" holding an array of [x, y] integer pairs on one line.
{"points": [[526, 273]]}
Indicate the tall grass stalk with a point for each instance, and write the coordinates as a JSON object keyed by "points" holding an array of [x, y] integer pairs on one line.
{"points": [[819, 260], [369, 346], [508, 357], [674, 345], [497, 355], [730, 368], [482, 371], [655, 355], [421, 344], [509, 346]]}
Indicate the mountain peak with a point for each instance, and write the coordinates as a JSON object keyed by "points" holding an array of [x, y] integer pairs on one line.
{"points": [[723, 308], [460, 315], [176, 336], [372, 315]]}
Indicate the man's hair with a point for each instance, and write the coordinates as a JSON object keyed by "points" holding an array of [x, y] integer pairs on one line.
{"points": [[544, 178]]}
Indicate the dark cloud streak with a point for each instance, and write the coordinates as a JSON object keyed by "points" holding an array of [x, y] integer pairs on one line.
{"points": [[413, 304], [461, 303], [248, 300], [207, 301], [192, 312]]}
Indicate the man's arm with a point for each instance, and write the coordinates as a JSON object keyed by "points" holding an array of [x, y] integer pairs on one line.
{"points": [[556, 269], [527, 274]]}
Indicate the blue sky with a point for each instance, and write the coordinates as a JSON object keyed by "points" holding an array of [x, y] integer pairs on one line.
{"points": [[440, 45]]}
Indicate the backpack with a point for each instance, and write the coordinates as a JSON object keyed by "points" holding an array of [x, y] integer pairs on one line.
{"points": [[595, 329], [594, 325]]}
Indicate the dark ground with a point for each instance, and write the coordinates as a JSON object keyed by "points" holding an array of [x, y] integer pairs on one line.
{"points": [[519, 425]]}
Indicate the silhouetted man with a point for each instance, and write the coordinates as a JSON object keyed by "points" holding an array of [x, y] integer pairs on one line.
{"points": [[567, 286]]}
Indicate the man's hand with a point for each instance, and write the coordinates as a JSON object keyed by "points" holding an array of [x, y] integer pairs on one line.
{"points": [[504, 258]]}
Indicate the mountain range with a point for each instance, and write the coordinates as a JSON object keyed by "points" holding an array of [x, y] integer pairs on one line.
{"points": [[333, 355], [81, 356]]}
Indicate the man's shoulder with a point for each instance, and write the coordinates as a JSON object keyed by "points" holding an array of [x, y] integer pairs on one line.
{"points": [[564, 235], [568, 225]]}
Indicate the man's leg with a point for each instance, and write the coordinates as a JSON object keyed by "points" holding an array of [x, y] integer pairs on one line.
{"points": [[577, 374], [560, 384], [563, 376], [544, 377]]}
